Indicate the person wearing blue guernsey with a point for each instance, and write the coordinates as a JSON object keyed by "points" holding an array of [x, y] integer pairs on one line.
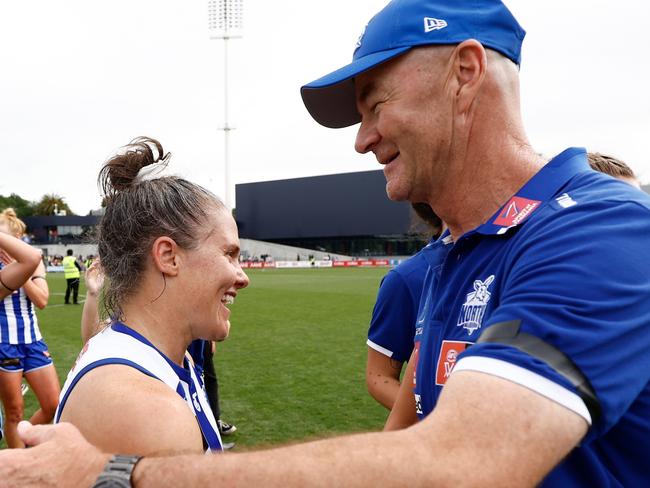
{"points": [[169, 250], [23, 352], [393, 322], [533, 361]]}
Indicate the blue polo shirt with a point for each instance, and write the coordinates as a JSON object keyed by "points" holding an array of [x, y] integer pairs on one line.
{"points": [[568, 257], [392, 326]]}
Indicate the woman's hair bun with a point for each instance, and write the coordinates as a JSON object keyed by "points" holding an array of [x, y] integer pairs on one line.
{"points": [[16, 225], [10, 213], [119, 172]]}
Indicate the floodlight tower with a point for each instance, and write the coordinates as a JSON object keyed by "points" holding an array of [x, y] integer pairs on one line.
{"points": [[225, 22]]}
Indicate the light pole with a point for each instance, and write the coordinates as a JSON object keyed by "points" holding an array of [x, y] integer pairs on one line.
{"points": [[225, 21]]}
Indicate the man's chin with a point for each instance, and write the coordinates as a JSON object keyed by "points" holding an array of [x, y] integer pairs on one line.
{"points": [[396, 194]]}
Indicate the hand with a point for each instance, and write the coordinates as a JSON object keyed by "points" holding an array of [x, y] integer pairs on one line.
{"points": [[94, 278], [5, 258], [61, 458]]}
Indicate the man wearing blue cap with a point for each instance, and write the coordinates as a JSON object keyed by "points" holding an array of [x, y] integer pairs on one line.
{"points": [[536, 321]]}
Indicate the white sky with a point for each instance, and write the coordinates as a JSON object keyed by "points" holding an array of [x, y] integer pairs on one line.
{"points": [[79, 78]]}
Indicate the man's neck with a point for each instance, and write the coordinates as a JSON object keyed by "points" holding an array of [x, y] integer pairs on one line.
{"points": [[485, 185]]}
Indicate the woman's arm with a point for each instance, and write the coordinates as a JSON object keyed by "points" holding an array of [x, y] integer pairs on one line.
{"points": [[36, 287], [382, 377], [403, 413], [90, 321], [20, 259]]}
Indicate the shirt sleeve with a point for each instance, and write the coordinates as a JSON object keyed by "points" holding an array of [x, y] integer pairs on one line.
{"points": [[579, 281], [392, 326]]}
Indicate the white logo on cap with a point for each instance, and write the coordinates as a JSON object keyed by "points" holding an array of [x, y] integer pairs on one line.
{"points": [[358, 44], [431, 24]]}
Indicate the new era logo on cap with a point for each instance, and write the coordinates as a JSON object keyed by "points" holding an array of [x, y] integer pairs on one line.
{"points": [[431, 24]]}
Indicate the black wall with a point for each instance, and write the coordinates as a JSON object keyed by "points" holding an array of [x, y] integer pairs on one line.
{"points": [[350, 204]]}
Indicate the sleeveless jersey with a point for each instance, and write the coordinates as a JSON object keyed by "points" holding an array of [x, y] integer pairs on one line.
{"points": [[18, 322], [119, 344]]}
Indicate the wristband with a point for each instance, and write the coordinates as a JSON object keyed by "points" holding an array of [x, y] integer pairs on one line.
{"points": [[117, 472], [3, 284]]}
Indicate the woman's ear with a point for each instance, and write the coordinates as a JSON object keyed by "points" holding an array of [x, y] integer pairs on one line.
{"points": [[165, 255]]}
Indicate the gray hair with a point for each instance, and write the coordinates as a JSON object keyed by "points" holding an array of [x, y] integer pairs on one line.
{"points": [[139, 211]]}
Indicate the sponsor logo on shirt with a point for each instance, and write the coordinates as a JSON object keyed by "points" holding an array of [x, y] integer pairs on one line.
{"points": [[449, 351], [473, 310], [516, 211]]}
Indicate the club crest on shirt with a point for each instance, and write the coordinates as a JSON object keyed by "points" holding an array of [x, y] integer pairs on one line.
{"points": [[473, 310]]}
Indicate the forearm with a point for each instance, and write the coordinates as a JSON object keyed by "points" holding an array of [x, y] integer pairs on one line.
{"points": [[26, 261], [403, 413], [38, 293], [382, 377], [384, 389], [90, 322], [360, 460]]}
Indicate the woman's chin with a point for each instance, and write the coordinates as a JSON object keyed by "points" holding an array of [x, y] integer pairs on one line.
{"points": [[223, 331]]}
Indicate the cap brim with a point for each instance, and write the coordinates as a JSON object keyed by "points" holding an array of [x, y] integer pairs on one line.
{"points": [[331, 101]]}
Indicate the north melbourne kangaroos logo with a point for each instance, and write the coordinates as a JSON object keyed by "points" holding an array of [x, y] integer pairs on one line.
{"points": [[471, 315]]}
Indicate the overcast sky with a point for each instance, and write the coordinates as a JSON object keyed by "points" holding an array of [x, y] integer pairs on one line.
{"points": [[80, 78]]}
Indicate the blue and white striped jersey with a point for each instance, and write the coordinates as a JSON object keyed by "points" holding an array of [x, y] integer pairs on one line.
{"points": [[18, 322]]}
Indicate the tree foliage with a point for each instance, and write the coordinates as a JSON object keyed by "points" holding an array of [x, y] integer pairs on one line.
{"points": [[23, 208], [49, 203]]}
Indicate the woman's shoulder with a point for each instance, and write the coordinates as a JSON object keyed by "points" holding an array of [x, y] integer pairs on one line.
{"points": [[119, 409]]}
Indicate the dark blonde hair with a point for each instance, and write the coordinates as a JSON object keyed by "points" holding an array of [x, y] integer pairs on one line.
{"points": [[17, 226], [610, 166], [139, 211]]}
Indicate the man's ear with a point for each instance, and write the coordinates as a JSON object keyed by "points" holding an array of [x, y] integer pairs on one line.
{"points": [[470, 66], [165, 255]]}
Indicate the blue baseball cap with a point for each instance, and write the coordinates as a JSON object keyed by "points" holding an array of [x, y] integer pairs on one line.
{"points": [[400, 26]]}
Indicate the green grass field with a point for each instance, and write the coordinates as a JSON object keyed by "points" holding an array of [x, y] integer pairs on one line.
{"points": [[294, 364]]}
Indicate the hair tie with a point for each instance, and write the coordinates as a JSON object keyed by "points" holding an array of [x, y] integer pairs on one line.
{"points": [[152, 172]]}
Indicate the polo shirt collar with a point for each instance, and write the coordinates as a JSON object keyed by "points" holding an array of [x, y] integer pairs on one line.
{"points": [[538, 190]]}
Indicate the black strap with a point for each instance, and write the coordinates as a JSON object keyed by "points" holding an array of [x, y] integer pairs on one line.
{"points": [[509, 333]]}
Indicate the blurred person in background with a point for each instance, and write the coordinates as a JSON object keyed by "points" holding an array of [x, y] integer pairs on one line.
{"points": [[613, 167], [72, 273], [394, 316], [23, 352]]}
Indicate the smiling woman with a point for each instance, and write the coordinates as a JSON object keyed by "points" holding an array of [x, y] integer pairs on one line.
{"points": [[170, 253]]}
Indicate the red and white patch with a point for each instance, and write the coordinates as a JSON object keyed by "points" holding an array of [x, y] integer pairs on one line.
{"points": [[449, 352], [516, 211]]}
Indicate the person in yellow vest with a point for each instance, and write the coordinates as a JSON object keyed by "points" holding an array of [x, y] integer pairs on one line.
{"points": [[71, 271]]}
